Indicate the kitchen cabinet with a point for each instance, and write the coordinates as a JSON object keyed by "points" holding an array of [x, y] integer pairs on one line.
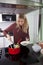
{"points": [[2, 1], [7, 42], [10, 1], [4, 42], [1, 42]]}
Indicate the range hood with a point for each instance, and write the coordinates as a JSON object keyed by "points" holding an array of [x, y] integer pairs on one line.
{"points": [[18, 6]]}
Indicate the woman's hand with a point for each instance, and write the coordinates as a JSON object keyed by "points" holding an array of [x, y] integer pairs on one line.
{"points": [[8, 37], [27, 39]]}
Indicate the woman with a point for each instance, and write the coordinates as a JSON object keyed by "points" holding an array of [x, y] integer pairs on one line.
{"points": [[20, 30]]}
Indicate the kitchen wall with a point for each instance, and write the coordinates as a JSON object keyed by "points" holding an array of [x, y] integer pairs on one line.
{"points": [[4, 25]]}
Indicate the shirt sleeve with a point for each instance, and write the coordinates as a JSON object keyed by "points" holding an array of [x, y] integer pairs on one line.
{"points": [[9, 29]]}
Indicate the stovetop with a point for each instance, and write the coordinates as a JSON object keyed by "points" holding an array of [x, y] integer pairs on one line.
{"points": [[5, 58]]}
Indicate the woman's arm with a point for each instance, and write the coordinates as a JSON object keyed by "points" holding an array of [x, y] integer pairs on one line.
{"points": [[9, 29]]}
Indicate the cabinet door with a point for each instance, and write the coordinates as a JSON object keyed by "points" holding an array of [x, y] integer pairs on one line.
{"points": [[7, 42], [2, 1], [1, 42]]}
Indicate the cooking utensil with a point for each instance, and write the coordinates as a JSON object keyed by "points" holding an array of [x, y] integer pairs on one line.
{"points": [[14, 51]]}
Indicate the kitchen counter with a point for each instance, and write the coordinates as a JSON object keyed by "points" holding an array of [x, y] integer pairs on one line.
{"points": [[9, 60]]}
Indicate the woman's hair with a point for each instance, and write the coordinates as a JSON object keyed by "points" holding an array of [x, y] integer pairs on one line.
{"points": [[25, 25]]}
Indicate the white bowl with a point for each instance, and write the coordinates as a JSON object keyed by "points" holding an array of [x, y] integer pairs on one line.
{"points": [[36, 48], [25, 43]]}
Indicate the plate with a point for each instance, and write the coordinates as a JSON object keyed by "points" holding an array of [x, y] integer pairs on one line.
{"points": [[25, 43]]}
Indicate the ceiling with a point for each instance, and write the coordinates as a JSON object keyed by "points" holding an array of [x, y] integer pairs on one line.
{"points": [[18, 6]]}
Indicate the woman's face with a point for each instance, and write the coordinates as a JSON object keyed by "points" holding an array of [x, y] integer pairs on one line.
{"points": [[20, 21]]}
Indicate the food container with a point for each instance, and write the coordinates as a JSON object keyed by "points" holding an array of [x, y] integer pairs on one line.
{"points": [[14, 50]]}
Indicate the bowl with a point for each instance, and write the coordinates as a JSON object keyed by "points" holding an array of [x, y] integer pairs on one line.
{"points": [[25, 43], [36, 48]]}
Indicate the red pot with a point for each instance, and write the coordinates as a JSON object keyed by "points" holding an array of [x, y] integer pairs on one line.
{"points": [[13, 51]]}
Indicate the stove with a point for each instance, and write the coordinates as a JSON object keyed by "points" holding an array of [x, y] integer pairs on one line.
{"points": [[30, 59]]}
